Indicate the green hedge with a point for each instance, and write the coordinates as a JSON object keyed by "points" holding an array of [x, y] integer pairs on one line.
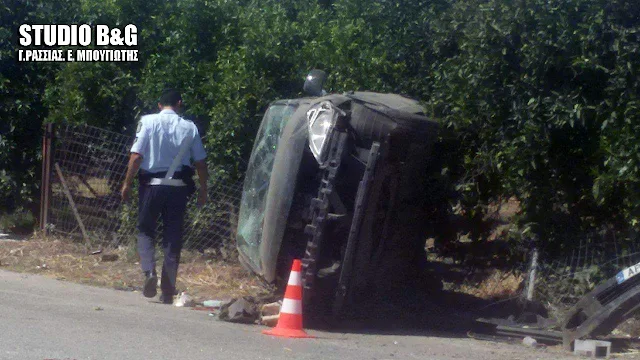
{"points": [[541, 95]]}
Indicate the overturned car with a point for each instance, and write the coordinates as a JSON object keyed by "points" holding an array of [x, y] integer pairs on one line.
{"points": [[340, 181]]}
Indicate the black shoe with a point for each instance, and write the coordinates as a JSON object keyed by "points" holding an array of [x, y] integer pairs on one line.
{"points": [[150, 284], [166, 299]]}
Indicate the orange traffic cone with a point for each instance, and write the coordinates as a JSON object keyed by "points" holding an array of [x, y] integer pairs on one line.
{"points": [[290, 321]]}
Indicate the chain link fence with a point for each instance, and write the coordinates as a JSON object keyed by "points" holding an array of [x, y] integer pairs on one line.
{"points": [[514, 267], [560, 283], [88, 166]]}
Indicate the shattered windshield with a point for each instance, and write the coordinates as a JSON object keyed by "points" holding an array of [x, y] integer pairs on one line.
{"points": [[256, 182]]}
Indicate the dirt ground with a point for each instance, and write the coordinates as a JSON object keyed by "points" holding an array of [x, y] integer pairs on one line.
{"points": [[200, 277]]}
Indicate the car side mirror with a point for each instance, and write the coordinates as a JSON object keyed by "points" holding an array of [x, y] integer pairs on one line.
{"points": [[314, 82]]}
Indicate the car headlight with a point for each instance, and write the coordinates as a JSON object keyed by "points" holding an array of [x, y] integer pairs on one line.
{"points": [[321, 118]]}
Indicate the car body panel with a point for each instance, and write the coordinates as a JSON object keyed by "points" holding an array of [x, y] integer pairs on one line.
{"points": [[373, 116], [281, 189], [258, 181]]}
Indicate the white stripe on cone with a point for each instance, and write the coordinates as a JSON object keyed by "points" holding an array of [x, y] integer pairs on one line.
{"points": [[295, 279], [291, 306]]}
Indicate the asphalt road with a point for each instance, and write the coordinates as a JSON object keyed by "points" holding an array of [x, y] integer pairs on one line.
{"points": [[42, 318]]}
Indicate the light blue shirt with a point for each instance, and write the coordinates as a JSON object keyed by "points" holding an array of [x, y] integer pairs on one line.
{"points": [[158, 140]]}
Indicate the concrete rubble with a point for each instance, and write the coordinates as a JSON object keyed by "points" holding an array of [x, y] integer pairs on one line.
{"points": [[270, 320], [270, 313], [243, 310], [271, 309], [529, 341], [592, 348]]}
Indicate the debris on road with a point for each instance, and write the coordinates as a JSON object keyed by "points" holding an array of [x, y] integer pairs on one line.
{"points": [[214, 303], [184, 300], [98, 308], [270, 320], [212, 306], [592, 348], [271, 309], [270, 313], [205, 308], [529, 341], [243, 310]]}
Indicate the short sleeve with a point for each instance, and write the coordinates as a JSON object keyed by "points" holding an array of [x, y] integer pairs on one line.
{"points": [[143, 133], [197, 150]]}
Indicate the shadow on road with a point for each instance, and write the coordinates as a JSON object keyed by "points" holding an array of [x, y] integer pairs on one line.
{"points": [[425, 311]]}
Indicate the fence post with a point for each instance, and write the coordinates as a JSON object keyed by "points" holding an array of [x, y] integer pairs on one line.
{"points": [[72, 203], [45, 186], [532, 274]]}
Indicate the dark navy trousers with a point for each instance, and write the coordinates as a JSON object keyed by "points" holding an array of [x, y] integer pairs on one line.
{"points": [[168, 203]]}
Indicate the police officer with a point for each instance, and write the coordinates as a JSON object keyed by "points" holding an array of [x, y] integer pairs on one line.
{"points": [[165, 143]]}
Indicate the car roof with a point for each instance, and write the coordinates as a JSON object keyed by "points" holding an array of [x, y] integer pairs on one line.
{"points": [[392, 101]]}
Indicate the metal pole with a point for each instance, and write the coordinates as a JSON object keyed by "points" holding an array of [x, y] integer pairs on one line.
{"points": [[45, 187], [532, 274]]}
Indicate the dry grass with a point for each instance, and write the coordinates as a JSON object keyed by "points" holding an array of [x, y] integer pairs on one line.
{"points": [[497, 285], [62, 259], [87, 188], [487, 283]]}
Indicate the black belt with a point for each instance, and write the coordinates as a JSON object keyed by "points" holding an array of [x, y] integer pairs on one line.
{"points": [[185, 174]]}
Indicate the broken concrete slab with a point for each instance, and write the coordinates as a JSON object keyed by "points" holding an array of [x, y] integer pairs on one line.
{"points": [[592, 348], [271, 320], [270, 313], [529, 341], [242, 310], [270, 309]]}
